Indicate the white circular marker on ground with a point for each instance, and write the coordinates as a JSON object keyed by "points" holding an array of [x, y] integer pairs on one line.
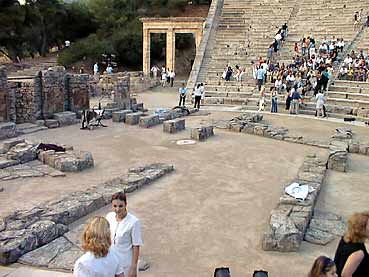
{"points": [[186, 142]]}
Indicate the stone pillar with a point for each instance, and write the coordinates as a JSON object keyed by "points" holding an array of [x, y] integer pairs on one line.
{"points": [[198, 36], [146, 51], [171, 49]]}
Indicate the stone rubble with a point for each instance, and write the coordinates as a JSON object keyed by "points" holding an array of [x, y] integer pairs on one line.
{"points": [[25, 230], [289, 221]]}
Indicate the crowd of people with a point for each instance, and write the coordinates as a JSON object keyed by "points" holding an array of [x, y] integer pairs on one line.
{"points": [[307, 75], [355, 67], [166, 75]]}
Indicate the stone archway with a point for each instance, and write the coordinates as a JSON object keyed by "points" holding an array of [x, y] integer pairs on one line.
{"points": [[170, 26]]}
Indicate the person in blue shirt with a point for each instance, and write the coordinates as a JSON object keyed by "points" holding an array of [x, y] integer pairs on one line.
{"points": [[182, 94]]}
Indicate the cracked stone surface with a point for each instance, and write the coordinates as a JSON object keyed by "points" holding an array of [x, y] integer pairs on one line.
{"points": [[31, 169]]}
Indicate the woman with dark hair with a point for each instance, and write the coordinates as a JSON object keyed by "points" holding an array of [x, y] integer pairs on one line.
{"points": [[100, 260], [351, 257], [323, 267], [125, 231]]}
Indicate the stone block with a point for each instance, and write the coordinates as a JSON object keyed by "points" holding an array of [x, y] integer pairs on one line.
{"points": [[108, 113], [174, 126], [337, 161], [9, 143], [248, 128], [52, 123], [133, 118], [260, 130], [149, 121], [74, 161], [120, 116], [202, 133], [66, 118]]}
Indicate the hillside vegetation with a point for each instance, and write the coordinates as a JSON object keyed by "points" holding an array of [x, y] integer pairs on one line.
{"points": [[93, 26]]}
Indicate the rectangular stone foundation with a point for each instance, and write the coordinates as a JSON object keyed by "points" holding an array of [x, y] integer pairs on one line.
{"points": [[202, 133], [149, 121], [174, 126]]}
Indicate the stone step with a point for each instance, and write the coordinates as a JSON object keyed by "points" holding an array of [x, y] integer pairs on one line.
{"points": [[28, 128]]}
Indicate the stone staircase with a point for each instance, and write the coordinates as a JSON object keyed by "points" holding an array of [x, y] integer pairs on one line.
{"points": [[244, 32], [245, 29]]}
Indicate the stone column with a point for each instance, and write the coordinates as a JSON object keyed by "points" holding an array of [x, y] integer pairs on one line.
{"points": [[146, 51], [171, 49], [198, 36]]}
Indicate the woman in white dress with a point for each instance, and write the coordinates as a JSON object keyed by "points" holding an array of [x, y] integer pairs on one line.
{"points": [[125, 231], [100, 260]]}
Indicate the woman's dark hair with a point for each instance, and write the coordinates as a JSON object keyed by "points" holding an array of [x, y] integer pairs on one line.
{"points": [[321, 266], [119, 196]]}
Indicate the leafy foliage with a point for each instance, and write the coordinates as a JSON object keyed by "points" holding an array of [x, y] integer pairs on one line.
{"points": [[105, 26]]}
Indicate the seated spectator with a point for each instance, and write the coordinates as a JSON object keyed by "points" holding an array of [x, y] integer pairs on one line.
{"points": [[352, 258], [323, 267], [100, 259]]}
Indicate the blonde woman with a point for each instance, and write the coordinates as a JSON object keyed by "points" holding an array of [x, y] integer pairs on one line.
{"points": [[351, 257], [99, 260]]}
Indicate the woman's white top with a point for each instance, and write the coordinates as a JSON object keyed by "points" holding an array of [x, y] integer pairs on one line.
{"points": [[319, 100], [90, 266], [124, 235]]}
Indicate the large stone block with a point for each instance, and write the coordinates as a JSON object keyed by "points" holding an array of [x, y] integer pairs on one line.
{"points": [[138, 107], [338, 161], [120, 116], [174, 126], [202, 133], [133, 118], [149, 121], [66, 118]]}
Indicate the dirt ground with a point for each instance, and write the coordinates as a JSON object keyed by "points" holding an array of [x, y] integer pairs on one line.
{"points": [[213, 209]]}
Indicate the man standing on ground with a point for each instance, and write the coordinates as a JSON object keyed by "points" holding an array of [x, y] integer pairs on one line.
{"points": [[154, 71], [96, 68], [171, 76], [295, 101], [182, 95]]}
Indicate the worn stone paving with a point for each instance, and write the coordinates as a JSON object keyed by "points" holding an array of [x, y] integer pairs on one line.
{"points": [[31, 169]]}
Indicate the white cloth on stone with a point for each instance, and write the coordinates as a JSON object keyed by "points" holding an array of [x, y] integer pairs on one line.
{"points": [[298, 191]]}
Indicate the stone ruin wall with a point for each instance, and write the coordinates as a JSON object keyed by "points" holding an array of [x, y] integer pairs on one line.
{"points": [[4, 114], [26, 94], [26, 100]]}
